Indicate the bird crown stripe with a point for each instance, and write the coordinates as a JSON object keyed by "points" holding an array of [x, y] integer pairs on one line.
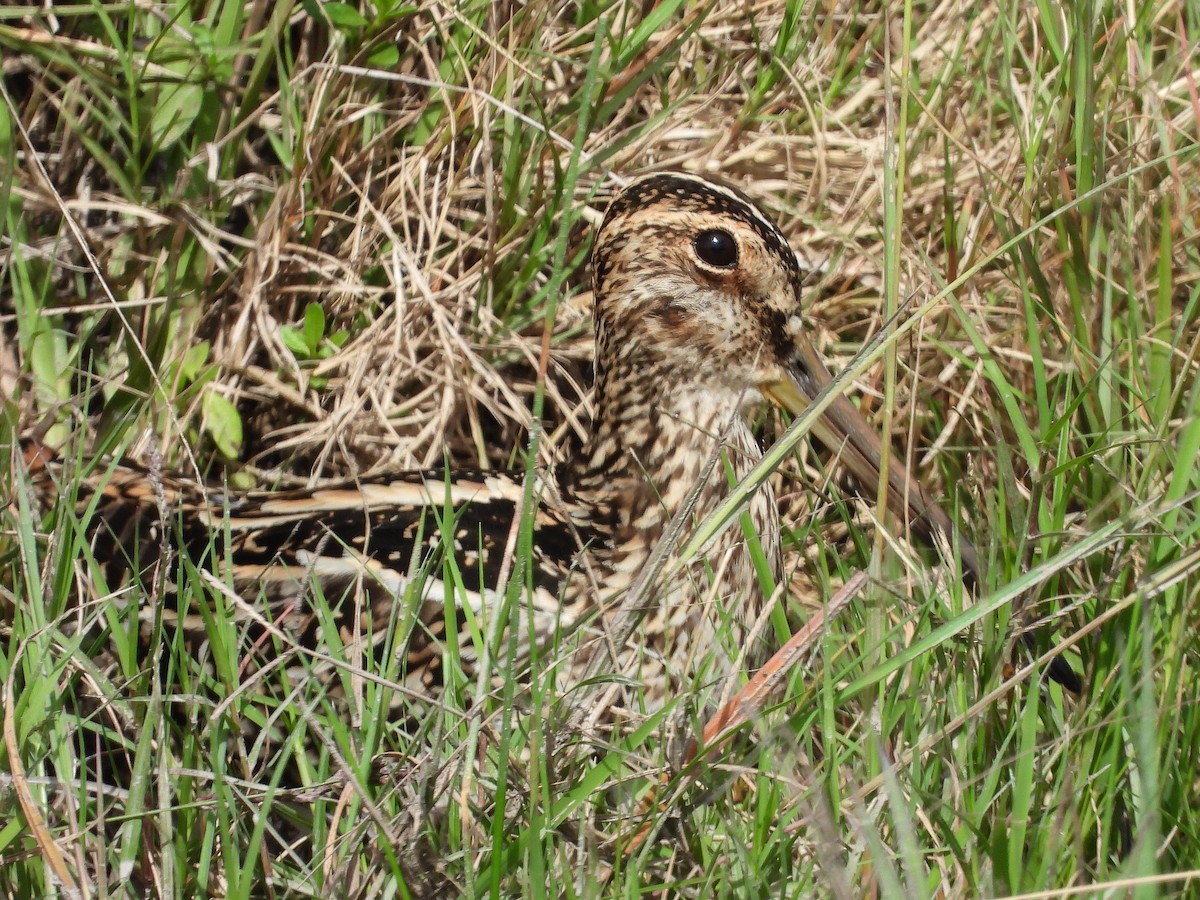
{"points": [[733, 195], [699, 193]]}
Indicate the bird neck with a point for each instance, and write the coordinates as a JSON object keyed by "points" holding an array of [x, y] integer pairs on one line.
{"points": [[651, 443], [655, 440]]}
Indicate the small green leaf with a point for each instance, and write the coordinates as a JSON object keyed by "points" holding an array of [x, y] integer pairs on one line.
{"points": [[294, 340], [179, 103], [193, 361], [385, 56], [344, 17], [314, 326], [223, 423]]}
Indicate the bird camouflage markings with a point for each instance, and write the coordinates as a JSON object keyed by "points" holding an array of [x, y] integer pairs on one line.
{"points": [[697, 315], [366, 541]]}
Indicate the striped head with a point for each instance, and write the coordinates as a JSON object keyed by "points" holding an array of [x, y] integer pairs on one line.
{"points": [[698, 308], [695, 284]]}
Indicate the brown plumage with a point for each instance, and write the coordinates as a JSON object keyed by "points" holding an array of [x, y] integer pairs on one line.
{"points": [[697, 302]]}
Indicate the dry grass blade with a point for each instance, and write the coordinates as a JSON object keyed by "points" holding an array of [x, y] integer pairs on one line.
{"points": [[752, 699], [769, 680]]}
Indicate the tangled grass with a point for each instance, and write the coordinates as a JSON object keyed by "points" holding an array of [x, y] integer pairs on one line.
{"points": [[278, 243]]}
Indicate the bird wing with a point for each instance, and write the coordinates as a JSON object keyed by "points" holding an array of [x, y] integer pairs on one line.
{"points": [[373, 559]]}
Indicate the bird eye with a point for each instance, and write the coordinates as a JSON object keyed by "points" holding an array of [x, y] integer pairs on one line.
{"points": [[716, 248]]}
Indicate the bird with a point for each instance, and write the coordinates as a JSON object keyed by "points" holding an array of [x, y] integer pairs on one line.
{"points": [[698, 327]]}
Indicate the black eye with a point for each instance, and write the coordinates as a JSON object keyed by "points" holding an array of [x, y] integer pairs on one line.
{"points": [[717, 248]]}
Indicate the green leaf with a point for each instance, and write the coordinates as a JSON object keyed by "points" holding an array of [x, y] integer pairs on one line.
{"points": [[193, 361], [344, 17], [242, 481], [314, 326], [385, 56], [223, 423], [10, 832], [178, 105], [294, 340]]}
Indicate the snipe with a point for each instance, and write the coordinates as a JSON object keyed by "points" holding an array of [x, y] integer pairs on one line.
{"points": [[697, 312]]}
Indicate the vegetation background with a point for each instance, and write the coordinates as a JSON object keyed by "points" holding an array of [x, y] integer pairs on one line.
{"points": [[326, 238]]}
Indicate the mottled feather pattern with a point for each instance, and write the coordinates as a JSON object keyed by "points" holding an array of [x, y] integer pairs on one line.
{"points": [[362, 545], [697, 315], [678, 348]]}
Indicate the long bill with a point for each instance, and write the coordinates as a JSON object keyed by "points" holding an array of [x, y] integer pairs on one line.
{"points": [[851, 440]]}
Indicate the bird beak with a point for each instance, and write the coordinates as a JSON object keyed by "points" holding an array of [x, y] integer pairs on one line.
{"points": [[844, 431]]}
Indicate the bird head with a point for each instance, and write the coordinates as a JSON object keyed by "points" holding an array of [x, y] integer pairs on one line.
{"points": [[697, 290], [694, 284]]}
